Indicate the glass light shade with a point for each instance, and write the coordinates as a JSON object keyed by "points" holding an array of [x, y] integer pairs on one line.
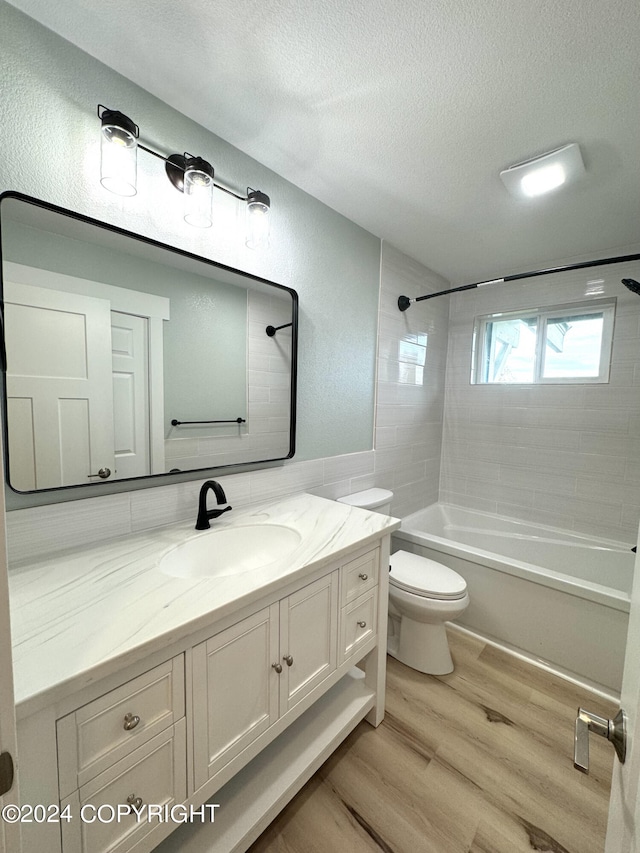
{"points": [[119, 154], [257, 216], [198, 192]]}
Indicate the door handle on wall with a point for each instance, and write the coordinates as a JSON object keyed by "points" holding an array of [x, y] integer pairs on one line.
{"points": [[615, 731]]}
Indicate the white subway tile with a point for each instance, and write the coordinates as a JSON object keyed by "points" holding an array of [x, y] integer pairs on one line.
{"points": [[585, 511], [41, 530], [348, 466], [386, 437]]}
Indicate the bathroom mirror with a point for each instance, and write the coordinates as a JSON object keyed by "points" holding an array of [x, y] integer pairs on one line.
{"points": [[127, 358]]}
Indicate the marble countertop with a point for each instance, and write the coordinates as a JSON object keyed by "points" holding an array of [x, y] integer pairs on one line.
{"points": [[84, 614]]}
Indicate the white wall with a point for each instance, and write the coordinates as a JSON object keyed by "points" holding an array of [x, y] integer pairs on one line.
{"points": [[564, 455]]}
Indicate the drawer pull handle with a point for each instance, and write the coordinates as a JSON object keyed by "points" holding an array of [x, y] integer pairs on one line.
{"points": [[134, 801], [362, 623], [130, 721], [363, 576], [277, 667], [288, 660]]}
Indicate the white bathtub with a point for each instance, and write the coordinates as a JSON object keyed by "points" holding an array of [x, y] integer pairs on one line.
{"points": [[555, 595]]}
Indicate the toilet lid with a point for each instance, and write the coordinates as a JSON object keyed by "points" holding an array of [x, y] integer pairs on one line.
{"points": [[425, 577]]}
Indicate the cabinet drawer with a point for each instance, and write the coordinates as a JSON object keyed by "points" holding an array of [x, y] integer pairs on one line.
{"points": [[358, 623], [104, 731], [360, 575], [155, 773]]}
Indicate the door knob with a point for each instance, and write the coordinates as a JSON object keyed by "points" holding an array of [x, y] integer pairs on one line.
{"points": [[614, 731], [288, 660], [103, 473]]}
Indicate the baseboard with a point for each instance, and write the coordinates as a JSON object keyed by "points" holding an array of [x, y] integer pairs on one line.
{"points": [[554, 669]]}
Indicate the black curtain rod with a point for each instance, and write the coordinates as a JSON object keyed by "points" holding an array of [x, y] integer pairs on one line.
{"points": [[404, 301]]}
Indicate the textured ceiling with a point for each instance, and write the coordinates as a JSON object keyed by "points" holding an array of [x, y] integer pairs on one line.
{"points": [[400, 115]]}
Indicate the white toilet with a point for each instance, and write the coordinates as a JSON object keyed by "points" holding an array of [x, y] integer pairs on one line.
{"points": [[423, 595]]}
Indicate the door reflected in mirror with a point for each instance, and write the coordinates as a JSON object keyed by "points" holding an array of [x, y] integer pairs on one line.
{"points": [[126, 358]]}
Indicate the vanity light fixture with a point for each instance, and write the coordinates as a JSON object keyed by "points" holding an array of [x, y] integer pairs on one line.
{"points": [[198, 192], [258, 209], [118, 152], [192, 176], [543, 174]]}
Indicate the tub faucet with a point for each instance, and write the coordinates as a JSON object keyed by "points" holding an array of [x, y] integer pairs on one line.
{"points": [[203, 513]]}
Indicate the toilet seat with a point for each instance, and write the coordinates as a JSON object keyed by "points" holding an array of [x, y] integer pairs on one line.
{"points": [[425, 578]]}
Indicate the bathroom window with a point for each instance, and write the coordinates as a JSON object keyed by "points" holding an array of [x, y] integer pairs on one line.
{"points": [[563, 344]]}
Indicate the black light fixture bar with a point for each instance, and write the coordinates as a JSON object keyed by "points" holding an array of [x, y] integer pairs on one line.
{"points": [[176, 163], [404, 301]]}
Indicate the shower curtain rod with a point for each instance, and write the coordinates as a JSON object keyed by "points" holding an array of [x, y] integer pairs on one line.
{"points": [[404, 301]]}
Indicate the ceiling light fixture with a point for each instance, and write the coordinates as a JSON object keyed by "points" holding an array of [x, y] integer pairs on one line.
{"points": [[543, 174], [193, 176]]}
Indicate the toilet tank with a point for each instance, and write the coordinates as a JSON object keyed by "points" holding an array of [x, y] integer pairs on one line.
{"points": [[378, 500]]}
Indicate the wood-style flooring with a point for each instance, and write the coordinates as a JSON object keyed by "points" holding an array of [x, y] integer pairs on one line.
{"points": [[479, 761]]}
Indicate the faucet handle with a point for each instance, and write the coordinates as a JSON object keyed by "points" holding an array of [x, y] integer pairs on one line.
{"points": [[214, 513]]}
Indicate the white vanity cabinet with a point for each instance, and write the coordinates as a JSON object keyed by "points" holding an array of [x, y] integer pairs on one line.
{"points": [[273, 659], [242, 689]]}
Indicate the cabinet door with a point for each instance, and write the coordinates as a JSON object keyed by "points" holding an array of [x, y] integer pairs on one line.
{"points": [[235, 691], [308, 639]]}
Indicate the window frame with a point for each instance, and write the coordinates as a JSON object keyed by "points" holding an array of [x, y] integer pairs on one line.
{"points": [[606, 307]]}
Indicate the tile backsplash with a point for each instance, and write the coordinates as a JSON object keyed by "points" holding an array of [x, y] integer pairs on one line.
{"points": [[38, 531]]}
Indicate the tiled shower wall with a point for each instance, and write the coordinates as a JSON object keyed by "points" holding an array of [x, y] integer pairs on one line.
{"points": [[412, 354], [563, 455]]}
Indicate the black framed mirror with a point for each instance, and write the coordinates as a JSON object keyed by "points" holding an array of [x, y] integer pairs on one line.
{"points": [[125, 358]]}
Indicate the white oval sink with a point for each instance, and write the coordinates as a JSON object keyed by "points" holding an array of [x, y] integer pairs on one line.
{"points": [[230, 551]]}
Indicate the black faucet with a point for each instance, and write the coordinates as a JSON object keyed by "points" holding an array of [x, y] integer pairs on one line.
{"points": [[203, 513]]}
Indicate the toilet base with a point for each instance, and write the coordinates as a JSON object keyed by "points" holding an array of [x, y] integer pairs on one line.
{"points": [[422, 646]]}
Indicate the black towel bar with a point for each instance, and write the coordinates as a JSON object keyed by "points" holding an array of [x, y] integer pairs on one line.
{"points": [[175, 422]]}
